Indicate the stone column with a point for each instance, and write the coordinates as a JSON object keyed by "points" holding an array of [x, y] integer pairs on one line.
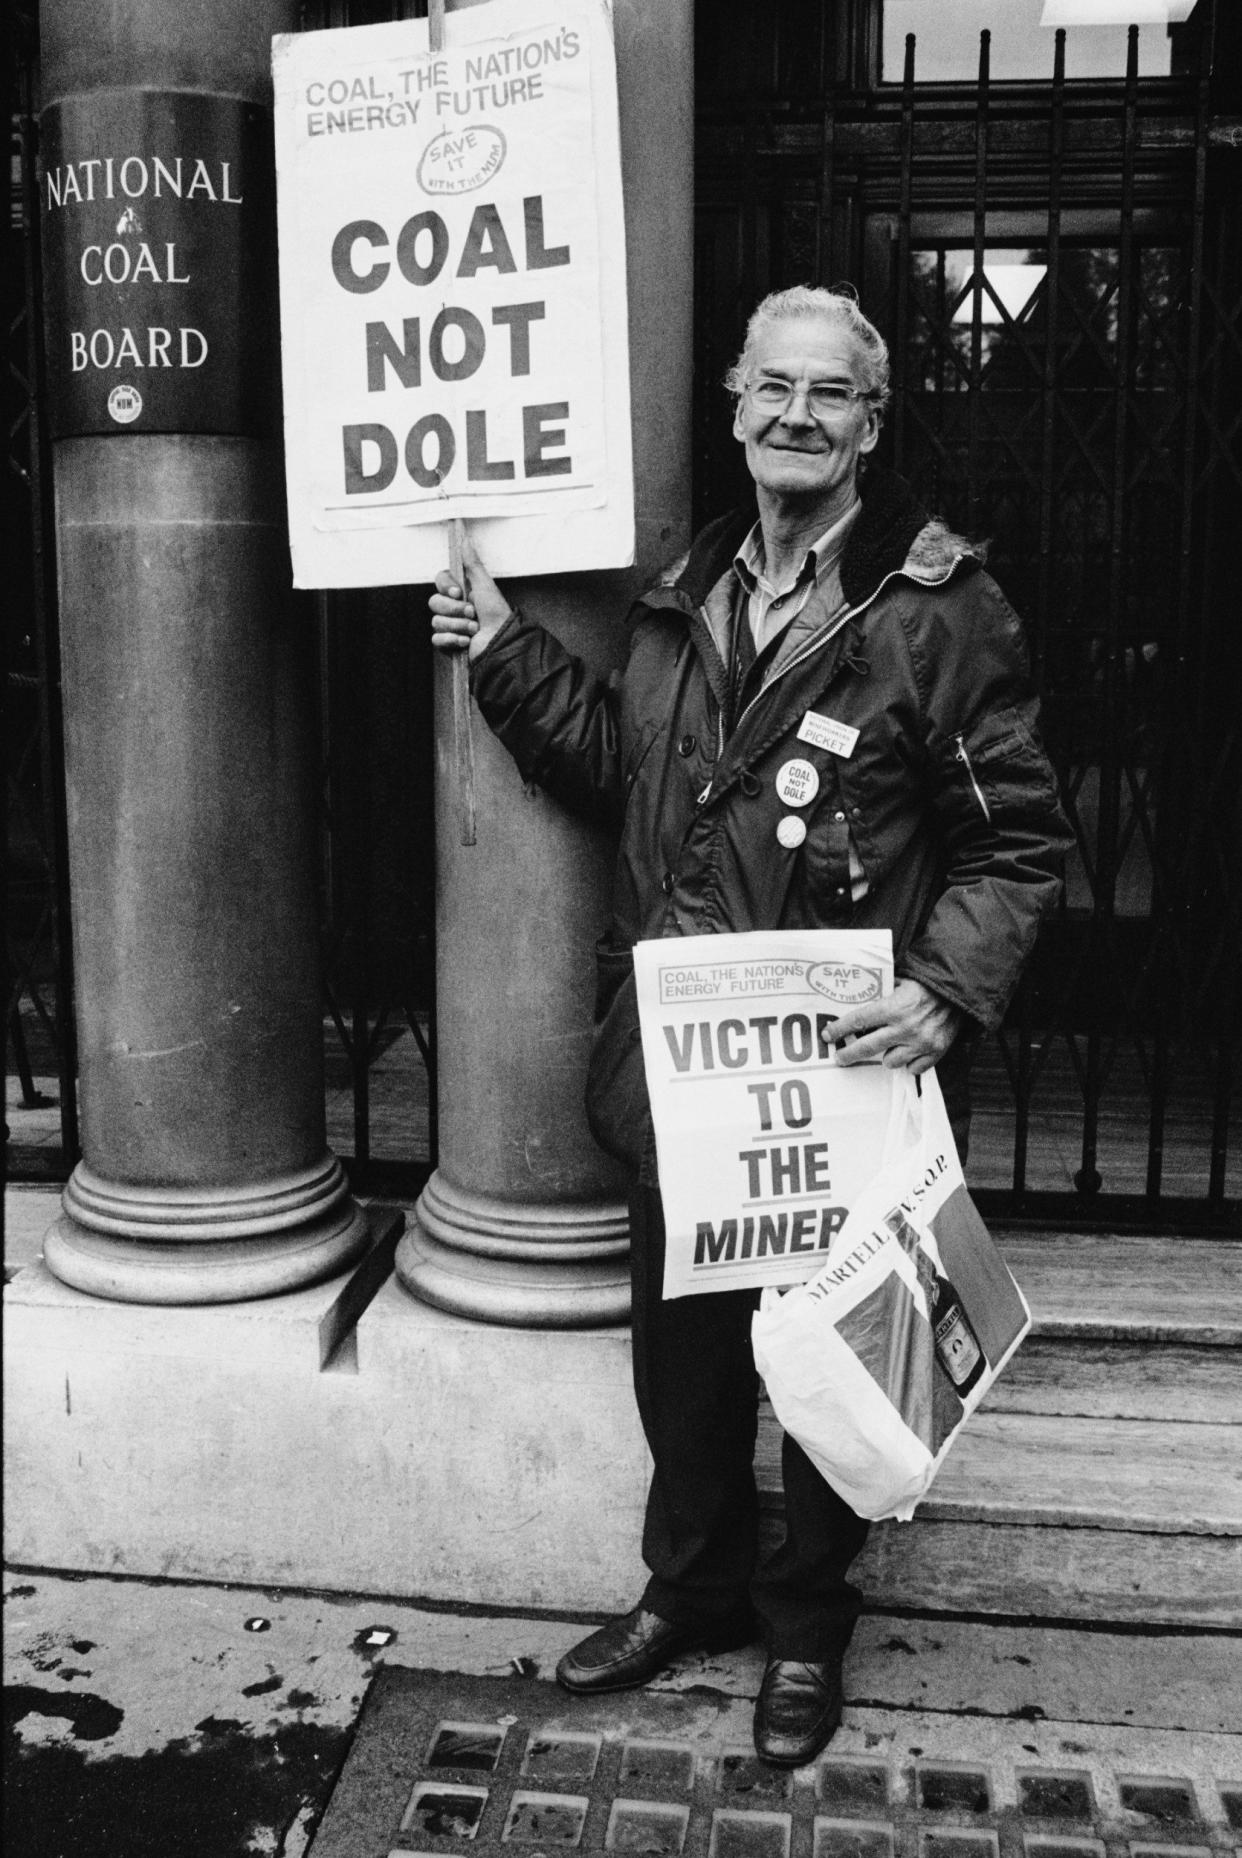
{"points": [[205, 1174], [524, 1221]]}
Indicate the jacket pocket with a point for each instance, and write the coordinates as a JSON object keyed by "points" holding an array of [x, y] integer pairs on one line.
{"points": [[1000, 768], [826, 868], [637, 752]]}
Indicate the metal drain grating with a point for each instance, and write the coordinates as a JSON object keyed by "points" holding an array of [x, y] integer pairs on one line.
{"points": [[513, 1768]]}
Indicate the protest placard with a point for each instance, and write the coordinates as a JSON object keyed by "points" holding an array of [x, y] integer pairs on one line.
{"points": [[453, 294], [763, 1140]]}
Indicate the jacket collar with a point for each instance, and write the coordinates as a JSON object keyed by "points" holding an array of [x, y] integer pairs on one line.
{"points": [[893, 534]]}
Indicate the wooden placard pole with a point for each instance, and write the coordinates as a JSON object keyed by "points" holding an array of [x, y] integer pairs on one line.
{"points": [[463, 742], [463, 739]]}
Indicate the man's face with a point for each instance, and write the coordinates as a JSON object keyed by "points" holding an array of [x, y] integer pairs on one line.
{"points": [[793, 454]]}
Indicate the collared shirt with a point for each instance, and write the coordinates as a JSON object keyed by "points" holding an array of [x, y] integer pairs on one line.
{"points": [[770, 608]]}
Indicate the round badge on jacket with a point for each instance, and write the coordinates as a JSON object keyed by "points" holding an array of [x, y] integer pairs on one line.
{"points": [[791, 831], [797, 783]]}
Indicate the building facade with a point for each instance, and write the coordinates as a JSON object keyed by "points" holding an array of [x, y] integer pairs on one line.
{"points": [[1047, 229]]}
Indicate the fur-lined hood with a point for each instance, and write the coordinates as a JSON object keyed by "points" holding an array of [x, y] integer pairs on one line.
{"points": [[937, 549]]}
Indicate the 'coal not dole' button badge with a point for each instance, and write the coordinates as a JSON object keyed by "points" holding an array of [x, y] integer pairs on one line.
{"points": [[797, 783], [791, 831]]}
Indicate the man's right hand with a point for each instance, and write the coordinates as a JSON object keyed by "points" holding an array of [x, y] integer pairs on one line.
{"points": [[469, 624]]}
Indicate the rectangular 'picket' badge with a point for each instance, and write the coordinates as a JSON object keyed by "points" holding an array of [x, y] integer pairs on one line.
{"points": [[823, 732]]}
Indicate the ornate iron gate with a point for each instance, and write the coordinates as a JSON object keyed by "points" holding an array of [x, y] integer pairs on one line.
{"points": [[378, 850], [1056, 265]]}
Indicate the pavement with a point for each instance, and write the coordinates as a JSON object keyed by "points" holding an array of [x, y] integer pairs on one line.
{"points": [[197, 1721], [175, 1719]]}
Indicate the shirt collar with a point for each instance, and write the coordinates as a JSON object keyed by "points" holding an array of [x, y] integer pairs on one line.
{"points": [[822, 555]]}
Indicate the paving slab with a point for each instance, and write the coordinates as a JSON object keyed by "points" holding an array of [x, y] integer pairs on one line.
{"points": [[169, 1718]]}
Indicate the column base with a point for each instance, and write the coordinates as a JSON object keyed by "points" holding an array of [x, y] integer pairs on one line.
{"points": [[230, 1270], [255, 1210], [542, 1266]]}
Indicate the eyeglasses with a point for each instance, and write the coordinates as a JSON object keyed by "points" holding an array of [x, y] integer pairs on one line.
{"points": [[824, 399]]}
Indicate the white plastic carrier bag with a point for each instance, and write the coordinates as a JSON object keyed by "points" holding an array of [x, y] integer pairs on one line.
{"points": [[874, 1363]]}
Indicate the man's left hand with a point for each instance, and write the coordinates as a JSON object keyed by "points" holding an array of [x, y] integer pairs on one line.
{"points": [[911, 1026]]}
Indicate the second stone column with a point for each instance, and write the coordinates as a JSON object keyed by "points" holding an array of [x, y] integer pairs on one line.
{"points": [[524, 1221]]}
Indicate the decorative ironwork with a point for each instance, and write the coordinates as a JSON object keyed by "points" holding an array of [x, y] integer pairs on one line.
{"points": [[377, 849], [1056, 269], [378, 860]]}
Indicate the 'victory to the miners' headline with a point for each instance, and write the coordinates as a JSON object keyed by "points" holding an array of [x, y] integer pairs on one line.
{"points": [[446, 242], [763, 1141]]}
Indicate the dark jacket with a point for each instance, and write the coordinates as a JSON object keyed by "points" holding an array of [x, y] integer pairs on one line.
{"points": [[947, 798]]}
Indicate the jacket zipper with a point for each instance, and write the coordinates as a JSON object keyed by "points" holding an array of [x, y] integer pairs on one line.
{"points": [[965, 760], [720, 748], [820, 639]]}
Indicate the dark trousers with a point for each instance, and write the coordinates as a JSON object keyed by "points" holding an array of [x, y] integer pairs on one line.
{"points": [[698, 1394]]}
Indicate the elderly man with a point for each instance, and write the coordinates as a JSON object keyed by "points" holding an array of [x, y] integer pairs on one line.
{"points": [[832, 623]]}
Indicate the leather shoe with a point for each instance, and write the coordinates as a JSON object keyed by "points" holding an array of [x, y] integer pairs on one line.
{"points": [[635, 1648], [798, 1709]]}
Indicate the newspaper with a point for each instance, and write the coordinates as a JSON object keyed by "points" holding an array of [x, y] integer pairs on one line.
{"points": [[763, 1140]]}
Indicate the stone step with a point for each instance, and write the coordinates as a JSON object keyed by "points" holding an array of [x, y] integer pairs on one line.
{"points": [[1109, 1380], [1110, 1287], [1102, 1477], [1126, 1328], [1063, 1518], [1145, 1477]]}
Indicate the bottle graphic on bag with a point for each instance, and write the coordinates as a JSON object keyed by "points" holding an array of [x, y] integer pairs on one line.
{"points": [[956, 1342], [957, 1345]]}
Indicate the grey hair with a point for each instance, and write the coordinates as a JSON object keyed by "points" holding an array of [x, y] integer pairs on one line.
{"points": [[839, 305]]}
